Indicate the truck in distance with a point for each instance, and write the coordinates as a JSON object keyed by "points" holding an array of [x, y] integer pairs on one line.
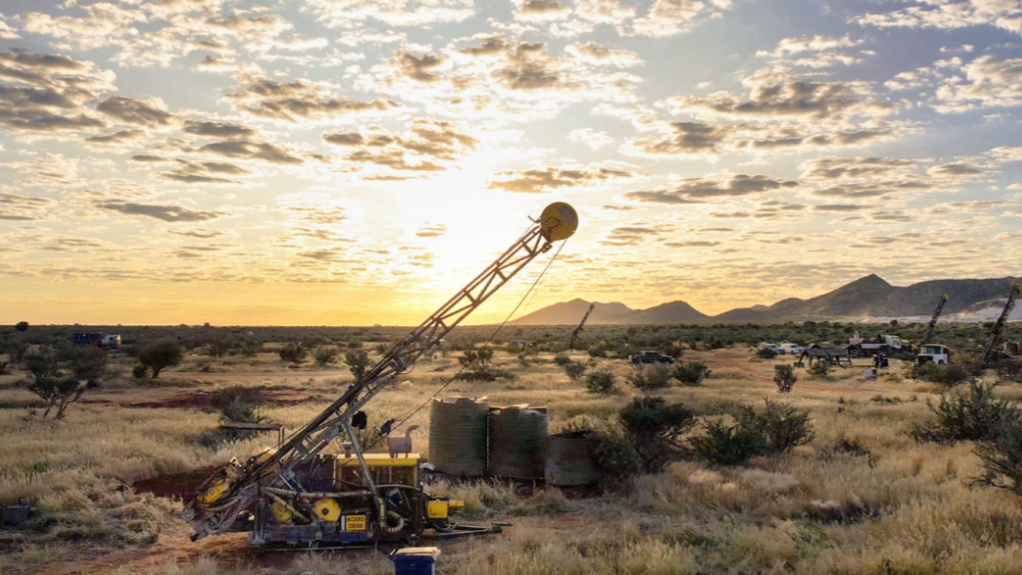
{"points": [[649, 356], [935, 353]]}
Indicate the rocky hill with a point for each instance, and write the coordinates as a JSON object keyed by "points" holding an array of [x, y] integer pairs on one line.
{"points": [[862, 299]]}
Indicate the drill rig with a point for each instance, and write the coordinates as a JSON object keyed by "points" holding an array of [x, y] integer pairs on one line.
{"points": [[581, 326], [990, 353], [936, 353], [304, 493]]}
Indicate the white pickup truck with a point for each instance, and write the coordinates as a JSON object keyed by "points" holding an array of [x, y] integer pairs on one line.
{"points": [[791, 349]]}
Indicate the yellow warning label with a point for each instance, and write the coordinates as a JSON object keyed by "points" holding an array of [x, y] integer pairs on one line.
{"points": [[354, 522]]}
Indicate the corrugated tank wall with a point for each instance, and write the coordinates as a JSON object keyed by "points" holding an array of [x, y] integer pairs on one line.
{"points": [[457, 436], [518, 437], [569, 460]]}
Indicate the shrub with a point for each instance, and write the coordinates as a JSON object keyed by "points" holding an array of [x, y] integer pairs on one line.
{"points": [[358, 363], [651, 378], [324, 355], [690, 374], [945, 375], [973, 416], [293, 353], [218, 346], [820, 370], [1010, 370], [766, 353], [730, 445], [654, 429], [601, 381], [139, 371], [575, 369], [1002, 458], [476, 366], [562, 359], [784, 377], [616, 459], [784, 426], [239, 404], [160, 355], [21, 326]]}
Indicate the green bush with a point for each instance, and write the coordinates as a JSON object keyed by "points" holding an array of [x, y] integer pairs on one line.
{"points": [[945, 375], [160, 355], [601, 381], [575, 369], [784, 426], [654, 429], [1002, 457], [562, 359], [784, 377], [975, 415], [766, 353], [820, 370], [730, 445], [239, 404], [690, 374], [324, 355], [293, 353], [358, 362], [650, 378]]}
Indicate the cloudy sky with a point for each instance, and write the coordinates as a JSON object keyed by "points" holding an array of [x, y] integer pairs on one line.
{"points": [[357, 161]]}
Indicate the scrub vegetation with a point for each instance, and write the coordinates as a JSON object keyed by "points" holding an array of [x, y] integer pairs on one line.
{"points": [[846, 474]]}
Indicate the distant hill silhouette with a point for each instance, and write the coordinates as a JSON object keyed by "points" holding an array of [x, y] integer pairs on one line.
{"points": [[864, 298]]}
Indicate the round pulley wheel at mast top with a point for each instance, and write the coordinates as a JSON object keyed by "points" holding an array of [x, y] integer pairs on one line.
{"points": [[558, 222]]}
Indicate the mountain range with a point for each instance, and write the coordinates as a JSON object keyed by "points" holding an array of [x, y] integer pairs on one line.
{"points": [[868, 298]]}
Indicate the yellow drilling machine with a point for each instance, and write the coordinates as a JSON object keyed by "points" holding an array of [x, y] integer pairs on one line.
{"points": [[320, 487]]}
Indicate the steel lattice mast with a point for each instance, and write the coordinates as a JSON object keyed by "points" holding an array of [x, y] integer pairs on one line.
{"points": [[933, 321], [227, 493], [998, 329]]}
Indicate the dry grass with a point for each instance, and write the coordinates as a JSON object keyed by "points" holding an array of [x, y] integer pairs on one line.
{"points": [[900, 508]]}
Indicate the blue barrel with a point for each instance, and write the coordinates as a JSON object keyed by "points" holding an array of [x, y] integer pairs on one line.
{"points": [[415, 560]]}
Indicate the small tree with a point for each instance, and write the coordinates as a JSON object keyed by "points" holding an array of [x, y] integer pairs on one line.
{"points": [[476, 365], [766, 353], [21, 326], [160, 355], [784, 377], [324, 355], [651, 378], [691, 374], [57, 392], [601, 381], [654, 429], [358, 363]]}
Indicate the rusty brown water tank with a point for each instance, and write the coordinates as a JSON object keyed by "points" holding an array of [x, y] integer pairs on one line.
{"points": [[457, 436], [569, 460], [518, 438]]}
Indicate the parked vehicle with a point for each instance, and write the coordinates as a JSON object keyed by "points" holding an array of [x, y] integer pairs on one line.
{"points": [[648, 356], [772, 346], [885, 344], [936, 353], [791, 349], [111, 341]]}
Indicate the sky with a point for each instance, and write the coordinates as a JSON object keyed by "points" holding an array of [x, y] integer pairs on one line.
{"points": [[356, 162]]}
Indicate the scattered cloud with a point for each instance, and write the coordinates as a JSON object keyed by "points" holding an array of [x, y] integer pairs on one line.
{"points": [[550, 179], [299, 101], [159, 212], [697, 190]]}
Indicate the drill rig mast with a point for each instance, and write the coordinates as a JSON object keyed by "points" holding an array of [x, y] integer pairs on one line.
{"points": [[581, 326], [302, 495], [990, 352], [933, 321]]}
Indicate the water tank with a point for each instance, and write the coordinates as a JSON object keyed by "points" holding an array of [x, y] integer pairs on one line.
{"points": [[569, 460], [518, 442], [457, 436]]}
